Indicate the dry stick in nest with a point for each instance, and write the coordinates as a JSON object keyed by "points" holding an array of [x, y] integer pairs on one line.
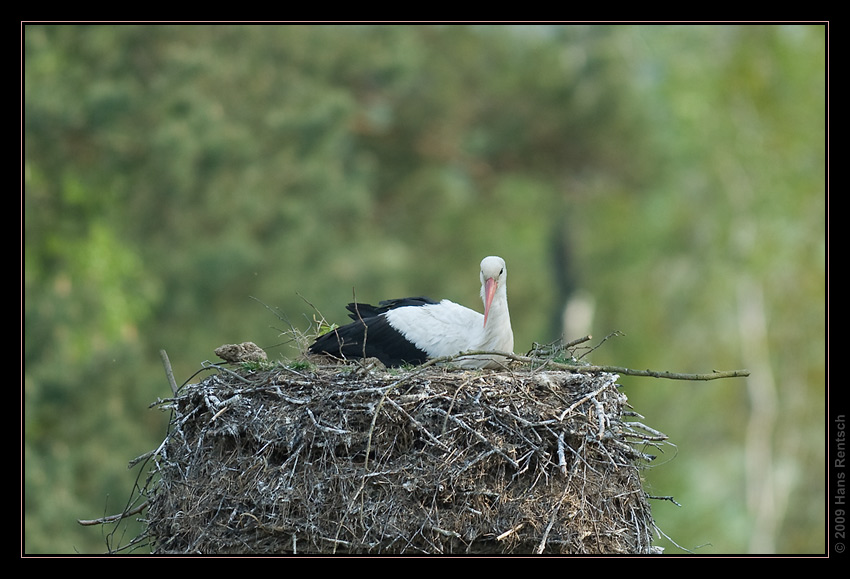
{"points": [[169, 373]]}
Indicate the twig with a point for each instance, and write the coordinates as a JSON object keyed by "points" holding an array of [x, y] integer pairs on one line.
{"points": [[578, 341], [324, 428], [447, 533], [220, 368], [510, 532], [113, 518], [562, 461], [578, 403], [671, 499], [605, 339], [169, 373]]}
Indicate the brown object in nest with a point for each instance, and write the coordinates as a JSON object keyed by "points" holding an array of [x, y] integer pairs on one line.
{"points": [[244, 352], [345, 460]]}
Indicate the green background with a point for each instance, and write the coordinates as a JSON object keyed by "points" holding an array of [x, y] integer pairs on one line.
{"points": [[673, 176]]}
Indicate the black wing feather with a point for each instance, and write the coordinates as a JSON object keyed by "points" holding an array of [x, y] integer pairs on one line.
{"points": [[365, 311], [370, 335]]}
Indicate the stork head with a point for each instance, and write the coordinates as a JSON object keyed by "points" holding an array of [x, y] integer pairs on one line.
{"points": [[494, 276]]}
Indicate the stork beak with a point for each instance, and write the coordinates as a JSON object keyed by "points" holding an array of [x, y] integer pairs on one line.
{"points": [[489, 291]]}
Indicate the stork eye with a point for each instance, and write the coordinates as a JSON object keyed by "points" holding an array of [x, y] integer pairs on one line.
{"points": [[501, 271]]}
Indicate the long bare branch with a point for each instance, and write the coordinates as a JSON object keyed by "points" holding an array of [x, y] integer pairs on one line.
{"points": [[591, 369]]}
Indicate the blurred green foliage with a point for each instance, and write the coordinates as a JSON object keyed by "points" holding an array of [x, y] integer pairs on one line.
{"points": [[675, 173]]}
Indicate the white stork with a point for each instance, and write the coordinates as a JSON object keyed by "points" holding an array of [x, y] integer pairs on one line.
{"points": [[411, 330]]}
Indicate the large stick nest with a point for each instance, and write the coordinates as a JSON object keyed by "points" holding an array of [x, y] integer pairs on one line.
{"points": [[352, 459]]}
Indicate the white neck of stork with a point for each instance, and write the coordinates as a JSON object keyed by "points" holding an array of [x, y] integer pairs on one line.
{"points": [[498, 335]]}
